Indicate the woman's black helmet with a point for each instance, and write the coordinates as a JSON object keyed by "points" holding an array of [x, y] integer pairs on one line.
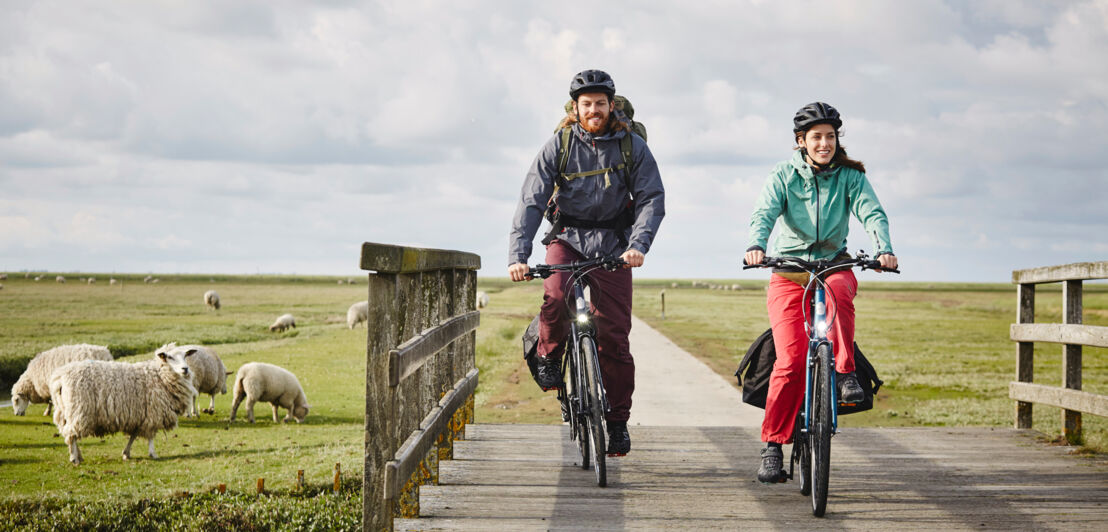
{"points": [[816, 113], [592, 81]]}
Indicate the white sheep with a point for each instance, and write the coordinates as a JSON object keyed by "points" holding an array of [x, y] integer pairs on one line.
{"points": [[284, 322], [3, 277], [33, 385], [258, 381], [357, 313], [60, 279], [91, 280], [113, 281], [38, 278], [209, 375], [211, 299], [482, 300], [96, 398]]}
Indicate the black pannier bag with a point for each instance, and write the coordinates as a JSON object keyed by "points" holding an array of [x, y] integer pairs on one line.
{"points": [[531, 348], [757, 365]]}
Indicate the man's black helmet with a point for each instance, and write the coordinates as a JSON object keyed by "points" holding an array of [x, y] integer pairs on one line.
{"points": [[816, 113], [592, 81]]}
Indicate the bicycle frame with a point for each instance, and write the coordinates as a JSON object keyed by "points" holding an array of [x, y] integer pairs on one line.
{"points": [[582, 325], [817, 335]]}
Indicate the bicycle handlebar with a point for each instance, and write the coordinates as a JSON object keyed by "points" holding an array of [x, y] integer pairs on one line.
{"points": [[546, 270], [820, 266]]}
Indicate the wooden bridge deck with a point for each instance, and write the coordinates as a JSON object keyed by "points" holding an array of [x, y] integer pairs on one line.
{"points": [[524, 477]]}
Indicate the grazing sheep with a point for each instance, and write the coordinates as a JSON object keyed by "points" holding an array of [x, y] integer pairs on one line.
{"points": [[60, 279], [154, 281], [96, 398], [113, 281], [3, 277], [33, 385], [258, 381], [284, 321], [340, 281], [211, 299], [209, 375], [91, 280], [482, 300], [357, 313], [350, 281], [38, 278]]}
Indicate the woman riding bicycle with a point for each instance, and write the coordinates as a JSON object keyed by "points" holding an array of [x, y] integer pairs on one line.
{"points": [[813, 194]]}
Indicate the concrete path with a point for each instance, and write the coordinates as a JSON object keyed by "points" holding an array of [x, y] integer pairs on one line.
{"points": [[673, 388]]}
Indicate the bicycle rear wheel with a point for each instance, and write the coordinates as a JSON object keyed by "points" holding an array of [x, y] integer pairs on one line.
{"points": [[595, 410], [820, 436], [801, 455]]}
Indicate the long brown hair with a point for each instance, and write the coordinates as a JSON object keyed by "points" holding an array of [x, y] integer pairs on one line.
{"points": [[840, 158]]}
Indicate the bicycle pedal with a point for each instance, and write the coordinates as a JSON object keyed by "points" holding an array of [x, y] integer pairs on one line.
{"points": [[615, 455]]}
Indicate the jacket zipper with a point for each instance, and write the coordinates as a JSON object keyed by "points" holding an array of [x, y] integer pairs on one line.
{"points": [[815, 178]]}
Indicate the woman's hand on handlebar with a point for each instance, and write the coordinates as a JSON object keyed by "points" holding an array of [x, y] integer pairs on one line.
{"points": [[754, 257], [888, 261], [518, 272], [633, 257]]}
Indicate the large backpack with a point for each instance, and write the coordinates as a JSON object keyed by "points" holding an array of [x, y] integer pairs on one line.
{"points": [[559, 221], [757, 365]]}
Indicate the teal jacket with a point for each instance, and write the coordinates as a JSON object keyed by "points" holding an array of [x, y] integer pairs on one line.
{"points": [[815, 211]]}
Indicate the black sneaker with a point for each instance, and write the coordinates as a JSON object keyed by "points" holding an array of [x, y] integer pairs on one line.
{"points": [[849, 389], [619, 441], [772, 471], [549, 374]]}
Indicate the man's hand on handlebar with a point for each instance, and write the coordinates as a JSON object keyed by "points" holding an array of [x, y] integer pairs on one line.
{"points": [[518, 272], [633, 257]]}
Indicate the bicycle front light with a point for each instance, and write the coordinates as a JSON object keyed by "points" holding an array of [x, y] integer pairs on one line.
{"points": [[582, 318]]}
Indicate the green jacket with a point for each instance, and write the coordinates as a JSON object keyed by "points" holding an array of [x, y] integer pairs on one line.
{"points": [[815, 211]]}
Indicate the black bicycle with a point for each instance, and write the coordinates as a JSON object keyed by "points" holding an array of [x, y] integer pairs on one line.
{"points": [[817, 420], [583, 399]]}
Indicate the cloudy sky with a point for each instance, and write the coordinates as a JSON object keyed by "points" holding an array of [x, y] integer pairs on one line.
{"points": [[277, 136]]}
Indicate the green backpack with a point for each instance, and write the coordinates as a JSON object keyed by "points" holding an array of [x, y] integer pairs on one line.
{"points": [[560, 221]]}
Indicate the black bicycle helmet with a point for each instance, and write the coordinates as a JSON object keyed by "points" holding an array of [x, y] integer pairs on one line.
{"points": [[816, 113], [592, 81]]}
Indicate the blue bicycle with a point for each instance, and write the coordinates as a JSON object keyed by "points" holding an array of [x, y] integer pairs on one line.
{"points": [[817, 419]]}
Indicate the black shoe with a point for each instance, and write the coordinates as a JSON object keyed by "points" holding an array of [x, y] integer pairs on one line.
{"points": [[772, 471], [549, 374], [619, 441], [849, 389]]}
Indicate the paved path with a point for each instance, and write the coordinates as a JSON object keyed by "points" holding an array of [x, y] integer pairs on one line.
{"points": [[673, 388]]}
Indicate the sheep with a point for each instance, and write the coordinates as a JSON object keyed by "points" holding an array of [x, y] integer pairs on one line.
{"points": [[33, 385], [211, 299], [91, 280], [3, 277], [258, 381], [97, 398], [357, 313], [148, 278], [284, 321], [209, 375], [482, 300], [113, 281], [38, 278], [60, 279]]}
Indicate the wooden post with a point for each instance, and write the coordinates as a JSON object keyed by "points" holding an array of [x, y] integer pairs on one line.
{"points": [[299, 479], [338, 474], [1025, 351], [663, 303], [379, 411], [261, 486], [1071, 359]]}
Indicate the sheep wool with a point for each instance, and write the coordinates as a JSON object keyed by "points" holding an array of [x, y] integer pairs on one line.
{"points": [[258, 381], [482, 300], [283, 322], [96, 398], [357, 313], [209, 375], [211, 299], [33, 385]]}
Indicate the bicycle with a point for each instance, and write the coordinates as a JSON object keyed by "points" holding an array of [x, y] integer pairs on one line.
{"points": [[817, 421], [583, 399]]}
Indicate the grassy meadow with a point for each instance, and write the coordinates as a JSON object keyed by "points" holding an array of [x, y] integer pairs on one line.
{"points": [[942, 349]]}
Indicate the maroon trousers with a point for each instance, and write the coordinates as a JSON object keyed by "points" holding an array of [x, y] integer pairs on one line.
{"points": [[610, 293]]}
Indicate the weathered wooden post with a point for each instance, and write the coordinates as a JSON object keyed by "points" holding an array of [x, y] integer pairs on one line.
{"points": [[663, 303], [1071, 359], [1025, 352]]}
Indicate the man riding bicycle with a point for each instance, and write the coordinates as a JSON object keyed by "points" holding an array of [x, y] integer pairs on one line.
{"points": [[599, 203], [813, 195]]}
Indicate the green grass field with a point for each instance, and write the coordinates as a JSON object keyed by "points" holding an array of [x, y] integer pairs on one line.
{"points": [[942, 350]]}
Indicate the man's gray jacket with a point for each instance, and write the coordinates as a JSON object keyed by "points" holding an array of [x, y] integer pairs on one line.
{"points": [[596, 197]]}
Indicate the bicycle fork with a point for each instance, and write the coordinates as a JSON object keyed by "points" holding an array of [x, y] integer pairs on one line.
{"points": [[819, 337], [583, 326]]}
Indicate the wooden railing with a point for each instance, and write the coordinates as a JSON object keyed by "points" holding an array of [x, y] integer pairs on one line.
{"points": [[1071, 333], [420, 371]]}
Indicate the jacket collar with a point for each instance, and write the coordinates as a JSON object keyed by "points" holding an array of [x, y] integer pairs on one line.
{"points": [[805, 170]]}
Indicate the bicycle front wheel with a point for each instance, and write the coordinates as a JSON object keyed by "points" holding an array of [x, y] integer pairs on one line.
{"points": [[595, 409], [819, 438], [578, 427], [801, 455]]}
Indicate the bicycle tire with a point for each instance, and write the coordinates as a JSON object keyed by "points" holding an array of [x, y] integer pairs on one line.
{"points": [[820, 433], [579, 431], [801, 456], [594, 409]]}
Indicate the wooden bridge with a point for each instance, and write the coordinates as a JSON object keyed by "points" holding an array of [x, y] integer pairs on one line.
{"points": [[428, 467]]}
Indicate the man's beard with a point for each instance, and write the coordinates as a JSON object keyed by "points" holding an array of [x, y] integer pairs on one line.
{"points": [[599, 129]]}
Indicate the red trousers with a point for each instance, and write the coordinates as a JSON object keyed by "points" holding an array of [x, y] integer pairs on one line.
{"points": [[786, 383], [610, 293]]}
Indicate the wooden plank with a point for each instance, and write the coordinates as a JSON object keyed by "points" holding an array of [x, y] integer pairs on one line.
{"points": [[388, 258], [1075, 400], [1078, 271], [1060, 333], [412, 354]]}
